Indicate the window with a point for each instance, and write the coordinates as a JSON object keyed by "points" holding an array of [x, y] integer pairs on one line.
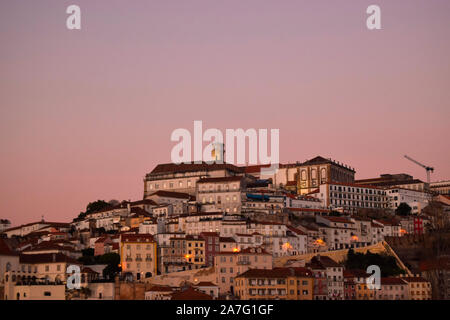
{"points": [[47, 293]]}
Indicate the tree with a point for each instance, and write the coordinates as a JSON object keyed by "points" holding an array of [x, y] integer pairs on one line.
{"points": [[403, 209], [361, 261], [112, 260], [94, 207]]}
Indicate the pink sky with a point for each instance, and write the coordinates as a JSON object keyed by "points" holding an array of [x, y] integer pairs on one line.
{"points": [[85, 114]]}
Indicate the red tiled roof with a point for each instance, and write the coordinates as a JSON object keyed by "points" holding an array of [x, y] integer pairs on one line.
{"points": [[158, 288], [190, 294], [392, 281], [205, 284], [219, 179], [277, 273], [137, 238], [338, 219], [46, 258], [171, 194], [5, 250], [192, 167]]}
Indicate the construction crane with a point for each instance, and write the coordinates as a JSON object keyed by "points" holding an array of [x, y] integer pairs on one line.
{"points": [[427, 169]]}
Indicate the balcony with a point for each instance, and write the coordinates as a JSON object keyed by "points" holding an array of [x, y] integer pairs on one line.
{"points": [[243, 262], [128, 259], [138, 259]]}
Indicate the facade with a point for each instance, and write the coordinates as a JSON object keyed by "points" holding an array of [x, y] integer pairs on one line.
{"points": [[419, 288], [4, 224], [392, 289], [227, 265], [223, 193], [351, 197], [417, 200], [278, 283], [138, 255], [309, 175], [328, 278], [440, 187], [183, 177], [212, 246]]}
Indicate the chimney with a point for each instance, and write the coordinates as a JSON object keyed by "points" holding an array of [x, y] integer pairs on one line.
{"points": [[129, 207], [54, 257]]}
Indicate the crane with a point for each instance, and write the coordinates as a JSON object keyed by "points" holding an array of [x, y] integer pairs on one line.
{"points": [[427, 168]]}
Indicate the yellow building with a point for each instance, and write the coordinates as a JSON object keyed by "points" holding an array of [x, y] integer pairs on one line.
{"points": [[419, 288], [195, 250], [138, 255], [278, 283], [363, 292]]}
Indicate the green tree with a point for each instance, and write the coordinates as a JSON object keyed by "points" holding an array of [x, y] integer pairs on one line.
{"points": [[403, 209], [361, 261], [112, 260]]}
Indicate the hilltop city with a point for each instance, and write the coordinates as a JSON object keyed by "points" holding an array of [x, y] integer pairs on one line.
{"points": [[308, 231]]}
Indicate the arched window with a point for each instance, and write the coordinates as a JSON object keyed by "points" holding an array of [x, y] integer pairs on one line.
{"points": [[314, 174], [323, 173], [303, 176]]}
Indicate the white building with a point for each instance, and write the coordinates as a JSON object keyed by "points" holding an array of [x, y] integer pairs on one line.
{"points": [[350, 197], [223, 192], [417, 200]]}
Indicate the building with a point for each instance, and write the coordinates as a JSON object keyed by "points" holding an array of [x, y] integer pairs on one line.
{"points": [[4, 224], [208, 288], [309, 175], [157, 292], [417, 200], [392, 289], [419, 288], [337, 232], [349, 197], [400, 180], [183, 177], [227, 265], [328, 278], [440, 187], [179, 201], [212, 246], [278, 283], [28, 228], [138, 255], [223, 193]]}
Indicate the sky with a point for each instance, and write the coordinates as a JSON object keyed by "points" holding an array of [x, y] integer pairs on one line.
{"points": [[85, 114]]}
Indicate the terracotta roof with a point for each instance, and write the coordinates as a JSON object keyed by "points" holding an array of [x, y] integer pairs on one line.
{"points": [[158, 288], [192, 167], [171, 194], [209, 234], [255, 168], [5, 250], [392, 281], [88, 270], [277, 273], [414, 279], [46, 258], [137, 238], [205, 284], [219, 179], [295, 230], [322, 262], [190, 294], [338, 219]]}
